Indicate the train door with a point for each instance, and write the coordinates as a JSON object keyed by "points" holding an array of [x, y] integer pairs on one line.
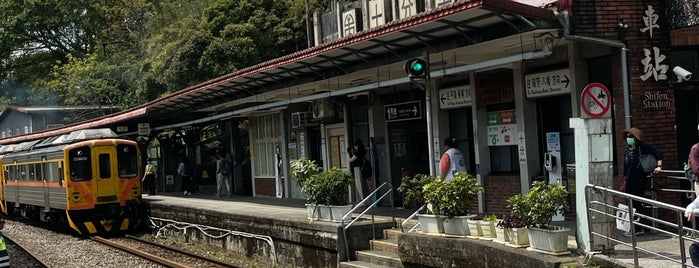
{"points": [[105, 184]]}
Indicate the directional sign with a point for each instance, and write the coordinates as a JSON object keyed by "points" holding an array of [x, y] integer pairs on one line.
{"points": [[455, 97], [548, 84], [595, 100], [403, 111]]}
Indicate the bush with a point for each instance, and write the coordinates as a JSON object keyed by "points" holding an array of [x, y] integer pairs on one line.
{"points": [[328, 188], [412, 189], [452, 198], [539, 205], [302, 169]]}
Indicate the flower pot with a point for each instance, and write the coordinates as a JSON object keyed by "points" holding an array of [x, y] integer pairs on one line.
{"points": [[474, 228], [313, 211], [501, 235], [457, 225], [431, 223], [518, 236], [488, 228], [552, 240], [338, 211]]}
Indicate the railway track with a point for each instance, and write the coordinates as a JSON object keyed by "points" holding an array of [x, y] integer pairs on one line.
{"points": [[160, 254], [20, 256]]}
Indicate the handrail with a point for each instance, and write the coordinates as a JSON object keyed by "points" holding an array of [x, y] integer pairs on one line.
{"points": [[389, 192], [677, 229], [410, 218]]}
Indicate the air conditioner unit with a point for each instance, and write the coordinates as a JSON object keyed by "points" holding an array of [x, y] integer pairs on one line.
{"points": [[322, 109], [300, 119]]}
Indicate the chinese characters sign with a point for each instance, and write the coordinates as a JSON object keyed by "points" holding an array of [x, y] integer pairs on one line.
{"points": [[652, 58], [548, 83]]}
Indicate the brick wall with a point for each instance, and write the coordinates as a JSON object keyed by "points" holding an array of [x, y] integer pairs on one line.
{"points": [[600, 19], [685, 36], [497, 189], [265, 187]]}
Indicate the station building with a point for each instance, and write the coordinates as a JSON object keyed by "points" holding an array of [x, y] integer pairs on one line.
{"points": [[505, 79]]}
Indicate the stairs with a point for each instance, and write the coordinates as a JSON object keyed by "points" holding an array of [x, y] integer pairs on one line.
{"points": [[383, 252]]}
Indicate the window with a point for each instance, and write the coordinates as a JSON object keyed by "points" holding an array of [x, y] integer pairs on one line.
{"points": [[26, 129], [502, 122], [265, 132], [127, 161], [80, 164], [51, 173], [105, 168]]}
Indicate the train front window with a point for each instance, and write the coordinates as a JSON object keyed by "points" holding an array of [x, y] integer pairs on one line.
{"points": [[80, 167], [105, 168], [127, 160]]}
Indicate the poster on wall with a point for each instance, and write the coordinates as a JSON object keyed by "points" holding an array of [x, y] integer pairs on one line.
{"points": [[502, 128]]}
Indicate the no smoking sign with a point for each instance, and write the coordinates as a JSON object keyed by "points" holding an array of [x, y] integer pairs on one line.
{"points": [[595, 100]]}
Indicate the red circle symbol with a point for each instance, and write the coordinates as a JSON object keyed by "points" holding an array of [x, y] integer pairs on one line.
{"points": [[595, 100]]}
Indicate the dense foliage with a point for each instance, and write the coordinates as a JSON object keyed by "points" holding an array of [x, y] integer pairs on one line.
{"points": [[540, 204], [453, 197], [123, 53], [412, 189]]}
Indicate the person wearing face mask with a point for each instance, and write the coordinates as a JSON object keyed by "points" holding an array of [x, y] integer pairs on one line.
{"points": [[636, 180]]}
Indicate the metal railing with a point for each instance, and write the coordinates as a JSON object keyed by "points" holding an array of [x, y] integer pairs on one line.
{"points": [[676, 230], [388, 187], [417, 225]]}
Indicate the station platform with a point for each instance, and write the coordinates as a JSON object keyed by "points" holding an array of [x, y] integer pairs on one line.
{"points": [[313, 243]]}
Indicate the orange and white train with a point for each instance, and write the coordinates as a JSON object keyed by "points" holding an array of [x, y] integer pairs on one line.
{"points": [[88, 179]]}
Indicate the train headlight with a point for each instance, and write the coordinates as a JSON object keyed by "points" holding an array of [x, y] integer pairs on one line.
{"points": [[76, 197]]}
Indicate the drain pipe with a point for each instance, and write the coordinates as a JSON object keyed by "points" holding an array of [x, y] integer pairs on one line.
{"points": [[564, 20]]}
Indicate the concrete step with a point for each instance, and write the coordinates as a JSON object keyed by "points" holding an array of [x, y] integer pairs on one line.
{"points": [[391, 235], [360, 264], [384, 245], [385, 259]]}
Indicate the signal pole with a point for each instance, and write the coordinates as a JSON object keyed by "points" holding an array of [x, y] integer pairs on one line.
{"points": [[418, 69]]}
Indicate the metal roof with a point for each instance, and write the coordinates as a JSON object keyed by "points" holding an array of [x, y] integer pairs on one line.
{"points": [[457, 25]]}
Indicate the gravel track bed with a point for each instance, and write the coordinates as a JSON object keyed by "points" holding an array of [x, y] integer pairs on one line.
{"points": [[63, 250], [165, 253]]}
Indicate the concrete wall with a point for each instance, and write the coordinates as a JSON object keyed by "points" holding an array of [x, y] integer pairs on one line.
{"points": [[297, 243]]}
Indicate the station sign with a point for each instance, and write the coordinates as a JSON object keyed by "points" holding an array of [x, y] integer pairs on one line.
{"points": [[403, 111], [546, 84], [455, 97], [144, 129]]}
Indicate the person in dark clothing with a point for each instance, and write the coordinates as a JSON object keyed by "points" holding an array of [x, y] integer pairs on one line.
{"points": [[358, 159], [149, 177], [636, 179], [183, 171]]}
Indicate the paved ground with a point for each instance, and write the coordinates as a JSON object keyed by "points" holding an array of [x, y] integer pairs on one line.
{"points": [[294, 209]]}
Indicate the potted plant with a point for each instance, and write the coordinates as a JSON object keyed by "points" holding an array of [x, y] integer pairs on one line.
{"points": [[413, 190], [474, 226], [488, 225], [541, 203], [515, 223], [301, 170], [329, 188], [452, 199]]}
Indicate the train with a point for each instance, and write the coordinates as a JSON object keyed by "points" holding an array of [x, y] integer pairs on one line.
{"points": [[88, 180]]}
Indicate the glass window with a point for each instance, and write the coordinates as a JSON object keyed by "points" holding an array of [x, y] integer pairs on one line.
{"points": [[265, 132], [105, 168], [51, 172], [79, 164], [127, 160]]}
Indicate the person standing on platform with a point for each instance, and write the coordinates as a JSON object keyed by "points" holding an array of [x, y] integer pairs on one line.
{"points": [[223, 172], [635, 178], [358, 159], [689, 213], [452, 160], [149, 177], [185, 177], [694, 165]]}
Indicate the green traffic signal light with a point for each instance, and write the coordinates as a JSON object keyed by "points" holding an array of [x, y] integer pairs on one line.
{"points": [[416, 68]]}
